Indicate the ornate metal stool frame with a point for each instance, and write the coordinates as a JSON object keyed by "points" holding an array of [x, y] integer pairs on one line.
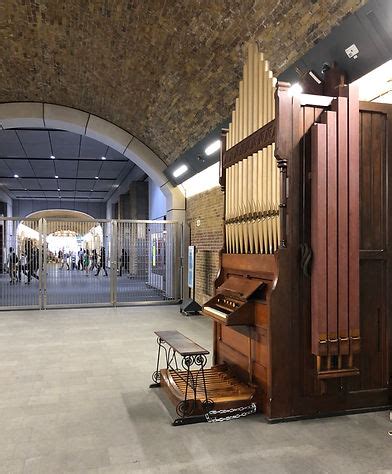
{"points": [[192, 379]]}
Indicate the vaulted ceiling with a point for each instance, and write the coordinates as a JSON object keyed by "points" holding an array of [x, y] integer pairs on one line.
{"points": [[164, 70]]}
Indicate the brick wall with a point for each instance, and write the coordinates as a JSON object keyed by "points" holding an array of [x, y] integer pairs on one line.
{"points": [[177, 63], [206, 209]]}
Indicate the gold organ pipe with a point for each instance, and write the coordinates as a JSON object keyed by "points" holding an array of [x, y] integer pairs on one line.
{"points": [[238, 213], [227, 207], [255, 99], [261, 92], [241, 113], [245, 99], [254, 203], [244, 224], [250, 191], [250, 97], [236, 192]]}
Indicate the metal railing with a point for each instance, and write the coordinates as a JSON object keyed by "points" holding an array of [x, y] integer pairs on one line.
{"points": [[52, 262]]}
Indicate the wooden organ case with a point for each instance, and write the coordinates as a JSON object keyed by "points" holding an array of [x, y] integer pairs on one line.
{"points": [[288, 313]]}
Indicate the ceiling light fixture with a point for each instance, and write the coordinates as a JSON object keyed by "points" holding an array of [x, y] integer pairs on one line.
{"points": [[215, 146], [96, 177], [295, 89], [16, 176], [103, 157], [56, 177], [179, 171], [52, 157]]}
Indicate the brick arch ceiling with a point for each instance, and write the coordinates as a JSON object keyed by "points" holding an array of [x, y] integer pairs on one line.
{"points": [[164, 70]]}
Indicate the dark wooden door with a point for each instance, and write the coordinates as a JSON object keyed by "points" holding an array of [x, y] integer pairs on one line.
{"points": [[375, 249]]}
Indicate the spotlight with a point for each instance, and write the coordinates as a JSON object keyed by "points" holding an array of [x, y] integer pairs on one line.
{"points": [[56, 177], [16, 176], [96, 177], [103, 157], [179, 171], [52, 157], [213, 147]]}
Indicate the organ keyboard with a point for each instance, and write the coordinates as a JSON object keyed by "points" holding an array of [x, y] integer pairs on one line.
{"points": [[233, 304]]}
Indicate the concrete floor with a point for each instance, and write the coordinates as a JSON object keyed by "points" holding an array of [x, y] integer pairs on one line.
{"points": [[74, 397]]}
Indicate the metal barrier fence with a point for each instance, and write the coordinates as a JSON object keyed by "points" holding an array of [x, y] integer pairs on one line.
{"points": [[67, 262]]}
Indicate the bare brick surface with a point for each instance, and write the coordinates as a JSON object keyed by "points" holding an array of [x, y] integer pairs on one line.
{"points": [[166, 71], [206, 209]]}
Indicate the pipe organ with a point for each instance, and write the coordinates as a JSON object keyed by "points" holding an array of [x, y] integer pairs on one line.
{"points": [[290, 309]]}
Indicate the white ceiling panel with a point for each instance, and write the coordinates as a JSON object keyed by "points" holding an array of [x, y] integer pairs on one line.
{"points": [[29, 183], [43, 168], [11, 183], [66, 169], [65, 144], [103, 185], [99, 195], [36, 143], [113, 170], [82, 194], [89, 169], [85, 184], [4, 169], [67, 184], [115, 155], [67, 194], [22, 194], [48, 183], [92, 149], [20, 166], [37, 194], [10, 144], [52, 194]]}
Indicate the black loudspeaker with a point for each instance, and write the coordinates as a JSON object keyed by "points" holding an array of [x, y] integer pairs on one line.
{"points": [[190, 307]]}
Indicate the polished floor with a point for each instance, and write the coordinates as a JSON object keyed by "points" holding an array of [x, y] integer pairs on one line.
{"points": [[74, 287], [74, 397]]}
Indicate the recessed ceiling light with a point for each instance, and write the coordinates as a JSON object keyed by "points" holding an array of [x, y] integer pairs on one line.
{"points": [[103, 158], [16, 176], [52, 157], [58, 189], [179, 171], [91, 190], [56, 177], [96, 177], [213, 147]]}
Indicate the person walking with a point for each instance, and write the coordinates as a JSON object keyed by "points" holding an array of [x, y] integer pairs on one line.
{"points": [[86, 261], [102, 263], [94, 260], [12, 265], [22, 266], [80, 259], [123, 261]]}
